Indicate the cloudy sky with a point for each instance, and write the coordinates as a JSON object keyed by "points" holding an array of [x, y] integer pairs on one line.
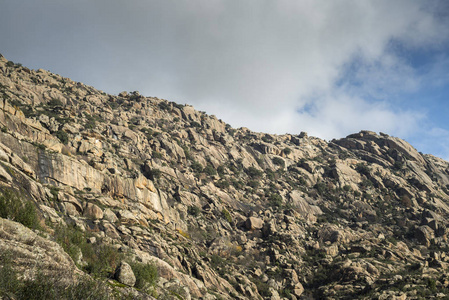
{"points": [[329, 68]]}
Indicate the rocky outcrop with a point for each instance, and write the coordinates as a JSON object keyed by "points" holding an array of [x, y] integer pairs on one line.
{"points": [[222, 213], [32, 253], [124, 274]]}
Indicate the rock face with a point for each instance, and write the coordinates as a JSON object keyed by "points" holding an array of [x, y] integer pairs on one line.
{"points": [[253, 223], [124, 274], [33, 253], [220, 213]]}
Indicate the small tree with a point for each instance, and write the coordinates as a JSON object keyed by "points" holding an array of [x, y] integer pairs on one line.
{"points": [[210, 170], [62, 136], [278, 161], [287, 151]]}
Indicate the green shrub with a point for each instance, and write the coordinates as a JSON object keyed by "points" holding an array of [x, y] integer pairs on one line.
{"points": [[287, 151], [275, 200], [225, 213], [238, 184], [90, 124], [223, 184], [217, 262], [262, 287], [186, 152], [71, 239], [155, 174], [254, 184], [271, 175], [221, 170], [146, 276], [147, 130], [366, 183], [41, 288], [196, 167], [431, 284], [9, 283], [157, 155], [113, 104], [267, 139], [362, 169], [347, 188], [102, 260], [178, 106], [398, 165], [195, 124], [12, 207], [193, 210], [278, 161], [321, 188], [28, 216], [92, 121], [210, 170], [164, 106], [54, 102], [47, 287], [253, 172], [62, 136]]}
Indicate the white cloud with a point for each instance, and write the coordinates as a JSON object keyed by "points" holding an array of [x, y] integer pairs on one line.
{"points": [[435, 138], [339, 115], [262, 63], [252, 63]]}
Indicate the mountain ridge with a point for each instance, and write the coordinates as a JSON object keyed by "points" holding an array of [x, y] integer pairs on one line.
{"points": [[222, 213]]}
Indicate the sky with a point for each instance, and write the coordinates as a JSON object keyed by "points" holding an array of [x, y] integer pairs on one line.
{"points": [[329, 68]]}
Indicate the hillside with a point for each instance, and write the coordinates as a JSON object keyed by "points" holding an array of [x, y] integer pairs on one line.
{"points": [[220, 213]]}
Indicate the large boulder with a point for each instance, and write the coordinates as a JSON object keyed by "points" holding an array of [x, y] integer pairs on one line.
{"points": [[424, 234], [253, 223], [93, 211], [124, 274]]}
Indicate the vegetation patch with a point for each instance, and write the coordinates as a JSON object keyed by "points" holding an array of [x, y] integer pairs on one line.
{"points": [[146, 276], [46, 287], [14, 208], [98, 259]]}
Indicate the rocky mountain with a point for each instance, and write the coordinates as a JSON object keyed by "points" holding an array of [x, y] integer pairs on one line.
{"points": [[136, 197]]}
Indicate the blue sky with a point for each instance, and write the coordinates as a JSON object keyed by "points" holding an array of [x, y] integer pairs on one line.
{"points": [[330, 68]]}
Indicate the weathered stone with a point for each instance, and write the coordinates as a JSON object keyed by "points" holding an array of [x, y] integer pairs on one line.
{"points": [[298, 289], [124, 274], [71, 209], [253, 223], [424, 234], [30, 249], [4, 176], [65, 197], [127, 217], [109, 215], [346, 175], [332, 250], [302, 205], [110, 231], [93, 211]]}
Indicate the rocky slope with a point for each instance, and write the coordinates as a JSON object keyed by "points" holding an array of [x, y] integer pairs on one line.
{"points": [[222, 213]]}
